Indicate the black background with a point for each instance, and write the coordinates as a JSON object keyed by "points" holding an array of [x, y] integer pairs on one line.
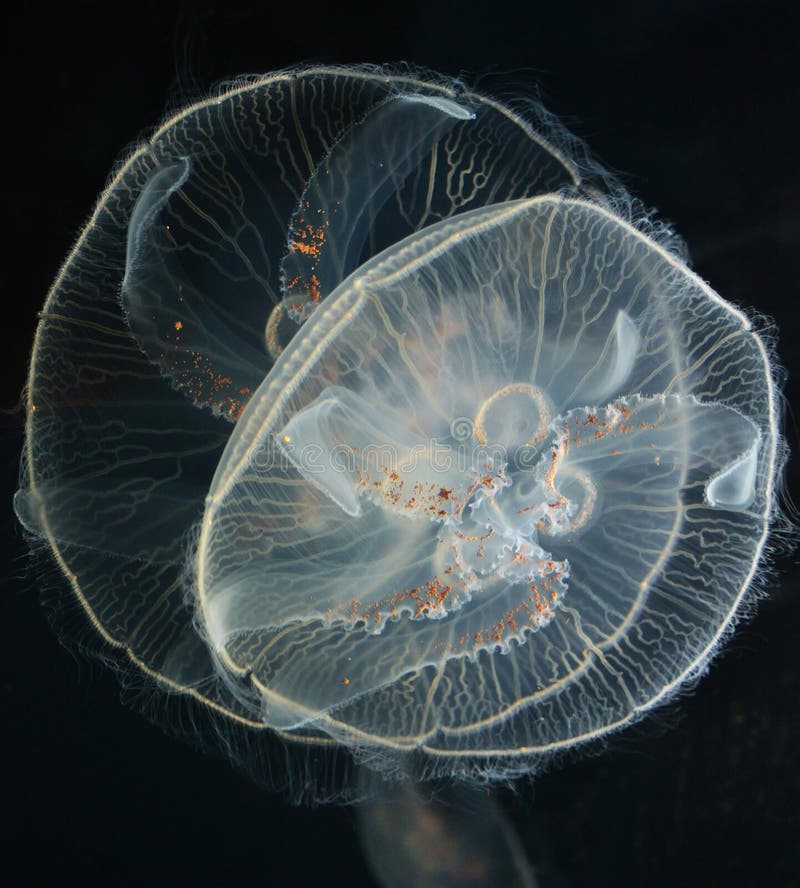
{"points": [[695, 104]]}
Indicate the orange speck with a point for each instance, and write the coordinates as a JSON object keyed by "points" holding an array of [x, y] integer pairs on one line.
{"points": [[345, 681], [178, 325]]}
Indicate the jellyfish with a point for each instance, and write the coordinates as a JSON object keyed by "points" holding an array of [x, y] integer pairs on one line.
{"points": [[370, 416]]}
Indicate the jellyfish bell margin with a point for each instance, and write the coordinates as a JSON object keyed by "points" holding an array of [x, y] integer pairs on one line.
{"points": [[366, 415]]}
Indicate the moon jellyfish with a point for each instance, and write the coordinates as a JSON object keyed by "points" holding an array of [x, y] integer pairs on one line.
{"points": [[505, 492], [375, 421]]}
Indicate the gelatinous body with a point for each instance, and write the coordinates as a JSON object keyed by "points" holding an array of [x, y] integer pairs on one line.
{"points": [[543, 549], [366, 413]]}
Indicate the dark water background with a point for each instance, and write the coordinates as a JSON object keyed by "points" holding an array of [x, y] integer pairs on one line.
{"points": [[696, 105]]}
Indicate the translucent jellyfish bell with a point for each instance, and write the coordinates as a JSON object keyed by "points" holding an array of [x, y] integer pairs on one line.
{"points": [[365, 414], [513, 491]]}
